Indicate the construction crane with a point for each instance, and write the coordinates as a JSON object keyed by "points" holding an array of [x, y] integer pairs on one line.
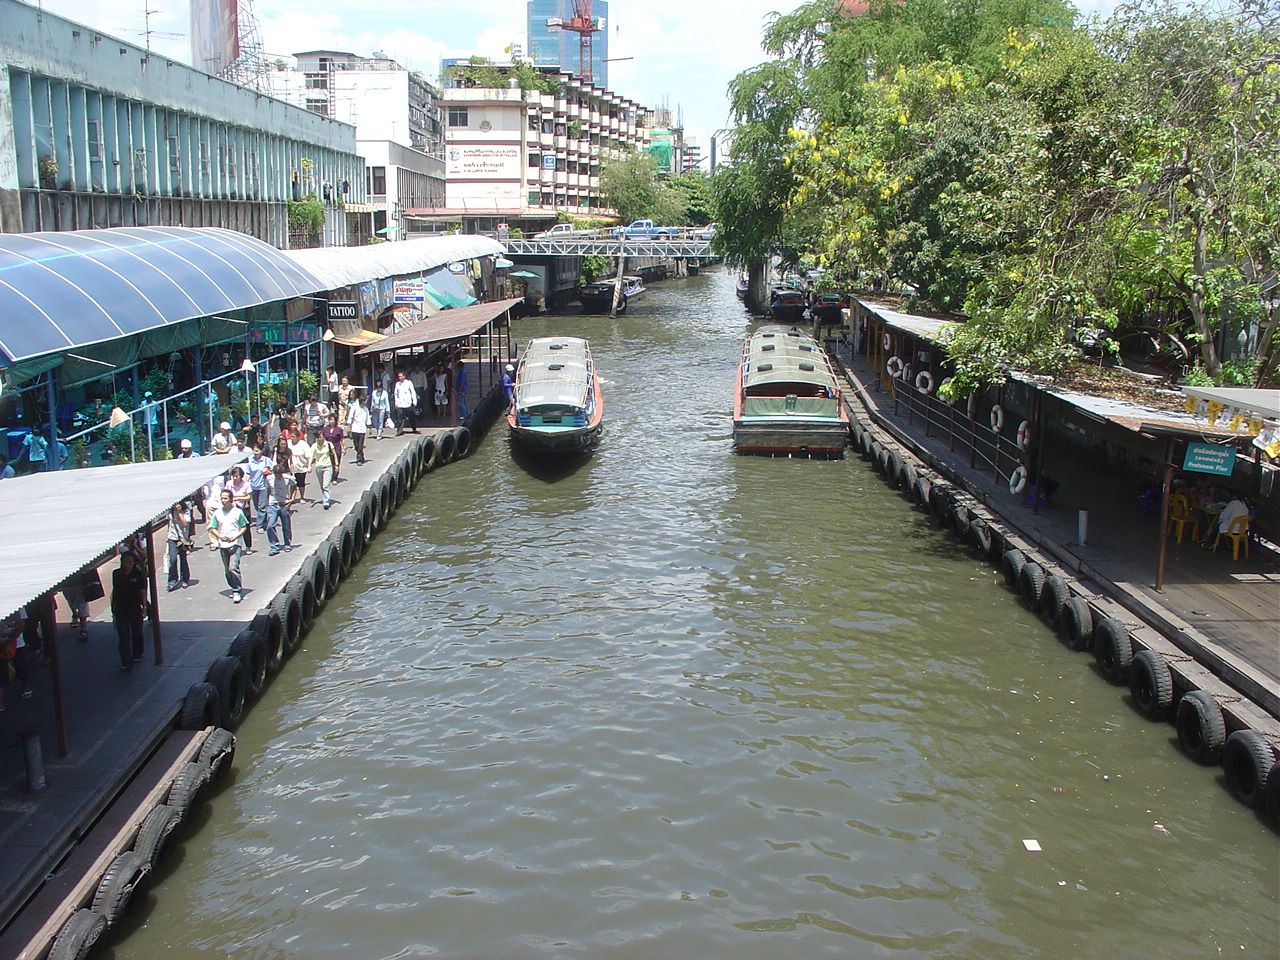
{"points": [[584, 25]]}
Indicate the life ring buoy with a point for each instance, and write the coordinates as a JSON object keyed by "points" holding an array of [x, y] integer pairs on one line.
{"points": [[1024, 434], [888, 343], [997, 418], [1018, 480], [945, 392], [894, 367], [924, 381]]}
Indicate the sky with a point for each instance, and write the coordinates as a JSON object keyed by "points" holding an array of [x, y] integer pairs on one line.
{"points": [[685, 51]]}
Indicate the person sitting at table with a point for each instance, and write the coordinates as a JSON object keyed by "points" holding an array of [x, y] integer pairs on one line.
{"points": [[1236, 507]]}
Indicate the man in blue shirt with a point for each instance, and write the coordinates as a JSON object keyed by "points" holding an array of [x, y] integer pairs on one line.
{"points": [[259, 467]]}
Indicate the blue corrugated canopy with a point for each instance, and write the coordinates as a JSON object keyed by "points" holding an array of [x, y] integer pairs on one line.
{"points": [[63, 290]]}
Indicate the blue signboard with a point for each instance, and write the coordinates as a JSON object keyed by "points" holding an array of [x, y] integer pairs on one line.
{"points": [[548, 161], [1210, 458]]}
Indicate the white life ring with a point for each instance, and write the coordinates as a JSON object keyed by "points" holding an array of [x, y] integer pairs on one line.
{"points": [[997, 418], [894, 367], [924, 381], [888, 343], [1024, 434], [906, 374], [1017, 480], [943, 392]]}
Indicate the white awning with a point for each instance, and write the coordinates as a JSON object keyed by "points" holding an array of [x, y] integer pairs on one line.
{"points": [[344, 266], [64, 520], [1264, 404]]}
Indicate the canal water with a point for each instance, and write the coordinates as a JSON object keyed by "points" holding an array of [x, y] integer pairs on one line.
{"points": [[666, 702]]}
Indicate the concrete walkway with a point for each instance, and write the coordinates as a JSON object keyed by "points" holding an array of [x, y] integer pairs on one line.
{"points": [[116, 720], [1223, 611]]}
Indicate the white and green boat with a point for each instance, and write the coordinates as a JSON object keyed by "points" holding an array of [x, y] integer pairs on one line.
{"points": [[556, 403]]}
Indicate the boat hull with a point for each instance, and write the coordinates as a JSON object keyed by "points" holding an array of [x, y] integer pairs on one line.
{"points": [[559, 442], [787, 312], [790, 439]]}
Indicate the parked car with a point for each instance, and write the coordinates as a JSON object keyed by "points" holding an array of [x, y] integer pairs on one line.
{"points": [[562, 231], [644, 230], [705, 233]]}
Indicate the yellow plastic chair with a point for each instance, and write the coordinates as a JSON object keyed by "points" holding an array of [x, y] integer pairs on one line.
{"points": [[1181, 514], [1237, 533]]}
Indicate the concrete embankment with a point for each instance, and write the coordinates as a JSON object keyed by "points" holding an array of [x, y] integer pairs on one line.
{"points": [[1223, 708], [147, 751]]}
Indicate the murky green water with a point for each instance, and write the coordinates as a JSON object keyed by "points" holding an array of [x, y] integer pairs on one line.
{"points": [[672, 703]]}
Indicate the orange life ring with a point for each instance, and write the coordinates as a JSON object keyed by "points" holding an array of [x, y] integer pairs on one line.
{"points": [[997, 418]]}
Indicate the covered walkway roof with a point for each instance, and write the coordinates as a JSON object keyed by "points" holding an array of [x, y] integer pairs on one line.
{"points": [[62, 521], [344, 266], [445, 325], [69, 289]]}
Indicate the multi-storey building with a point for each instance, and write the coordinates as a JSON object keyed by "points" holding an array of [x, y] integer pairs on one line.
{"points": [[552, 46], [97, 132], [520, 156], [399, 128]]}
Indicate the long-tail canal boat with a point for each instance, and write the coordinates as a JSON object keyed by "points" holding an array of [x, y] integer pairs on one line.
{"points": [[556, 403], [787, 400]]}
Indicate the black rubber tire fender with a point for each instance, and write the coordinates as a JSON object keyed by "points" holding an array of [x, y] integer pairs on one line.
{"points": [[333, 565], [313, 569], [921, 492], [1112, 649], [251, 650], [355, 526], [227, 676], [305, 591], [462, 443], [958, 517], [269, 625], [874, 454], [1011, 564], [125, 876], [1031, 584], [907, 479], [430, 449], [217, 753], [156, 833], [1271, 796], [1202, 729], [1075, 624], [1247, 762], [980, 536], [382, 492], [940, 497], [201, 708], [79, 936], [348, 542], [188, 788], [882, 463], [289, 607], [893, 469], [394, 498], [446, 447], [1151, 684], [404, 470], [368, 512], [1053, 598]]}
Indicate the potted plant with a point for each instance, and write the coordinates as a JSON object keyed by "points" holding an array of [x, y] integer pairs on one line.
{"points": [[48, 168]]}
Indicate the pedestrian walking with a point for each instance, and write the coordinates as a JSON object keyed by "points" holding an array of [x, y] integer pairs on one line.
{"points": [[229, 524], [300, 464], [259, 467], [242, 497], [179, 542], [406, 402], [380, 408], [128, 608], [323, 457], [460, 389], [334, 433], [282, 493], [358, 424], [79, 592]]}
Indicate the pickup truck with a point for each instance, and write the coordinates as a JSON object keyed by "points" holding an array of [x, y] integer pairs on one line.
{"points": [[644, 230], [563, 231]]}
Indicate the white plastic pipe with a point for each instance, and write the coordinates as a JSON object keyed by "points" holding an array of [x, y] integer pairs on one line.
{"points": [[1082, 528]]}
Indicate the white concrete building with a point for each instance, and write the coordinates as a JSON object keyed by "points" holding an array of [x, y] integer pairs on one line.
{"points": [[521, 156], [98, 132], [399, 128]]}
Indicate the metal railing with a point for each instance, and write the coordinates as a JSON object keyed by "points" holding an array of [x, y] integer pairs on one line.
{"points": [[153, 430]]}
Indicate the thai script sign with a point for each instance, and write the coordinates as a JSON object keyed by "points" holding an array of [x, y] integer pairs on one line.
{"points": [[466, 161], [1210, 458]]}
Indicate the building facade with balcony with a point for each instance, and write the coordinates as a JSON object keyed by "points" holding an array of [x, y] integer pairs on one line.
{"points": [[523, 156], [97, 132], [399, 123]]}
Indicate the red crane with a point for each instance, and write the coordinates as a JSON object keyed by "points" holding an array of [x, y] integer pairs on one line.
{"points": [[584, 25]]}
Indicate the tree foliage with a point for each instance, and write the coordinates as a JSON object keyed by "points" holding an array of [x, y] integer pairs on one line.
{"points": [[630, 185], [1036, 173]]}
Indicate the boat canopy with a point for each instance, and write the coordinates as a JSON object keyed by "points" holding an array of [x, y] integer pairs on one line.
{"points": [[555, 370], [780, 354]]}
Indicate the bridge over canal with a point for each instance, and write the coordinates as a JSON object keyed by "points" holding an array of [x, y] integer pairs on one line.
{"points": [[659, 248]]}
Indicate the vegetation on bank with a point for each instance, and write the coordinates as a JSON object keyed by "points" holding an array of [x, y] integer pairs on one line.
{"points": [[1036, 175]]}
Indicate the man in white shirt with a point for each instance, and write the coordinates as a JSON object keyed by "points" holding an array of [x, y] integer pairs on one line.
{"points": [[405, 398], [223, 440], [228, 524], [358, 418]]}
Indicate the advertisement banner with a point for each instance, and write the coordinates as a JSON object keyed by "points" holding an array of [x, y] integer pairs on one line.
{"points": [[470, 161], [215, 34], [342, 310], [410, 291]]}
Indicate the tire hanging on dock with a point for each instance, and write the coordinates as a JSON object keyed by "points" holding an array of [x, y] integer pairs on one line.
{"points": [[1112, 649], [1075, 624], [200, 708], [217, 753], [313, 570], [462, 443], [1151, 684], [332, 549], [79, 936], [188, 789], [428, 446], [156, 833], [980, 537], [446, 448], [1053, 598], [1011, 564], [251, 650], [269, 625], [301, 588], [227, 676], [1247, 762], [289, 607], [1202, 730], [893, 469], [1031, 584], [126, 876]]}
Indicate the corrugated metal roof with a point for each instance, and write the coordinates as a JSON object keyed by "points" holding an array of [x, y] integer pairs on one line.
{"points": [[776, 353], [343, 266], [66, 289], [445, 325], [554, 370], [62, 521], [930, 328]]}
